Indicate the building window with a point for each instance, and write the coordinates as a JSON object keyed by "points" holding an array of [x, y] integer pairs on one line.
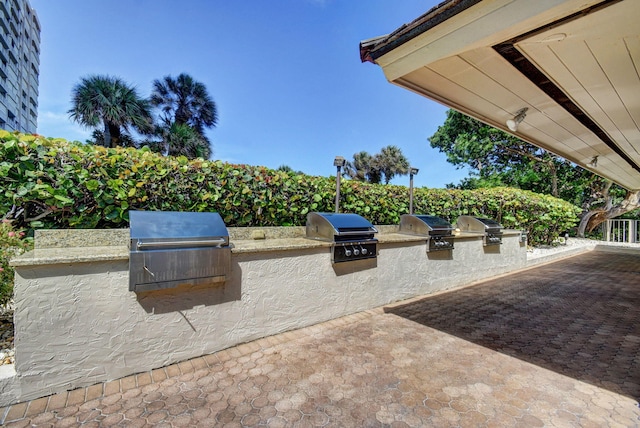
{"points": [[4, 42]]}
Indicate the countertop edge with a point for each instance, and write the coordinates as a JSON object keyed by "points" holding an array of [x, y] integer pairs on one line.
{"points": [[70, 255]]}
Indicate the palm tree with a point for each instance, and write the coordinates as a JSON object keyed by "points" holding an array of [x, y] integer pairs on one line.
{"points": [[97, 139], [184, 100], [183, 140], [284, 168], [391, 162], [363, 168], [111, 102], [287, 168]]}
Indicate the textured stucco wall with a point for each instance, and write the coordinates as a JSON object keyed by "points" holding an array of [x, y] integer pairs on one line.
{"points": [[77, 324]]}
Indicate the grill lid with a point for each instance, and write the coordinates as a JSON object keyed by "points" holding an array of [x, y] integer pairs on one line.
{"points": [[468, 223], [334, 226], [420, 224], [176, 229], [168, 249]]}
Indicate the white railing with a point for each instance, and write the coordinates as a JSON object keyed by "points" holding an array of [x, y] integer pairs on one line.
{"points": [[621, 230]]}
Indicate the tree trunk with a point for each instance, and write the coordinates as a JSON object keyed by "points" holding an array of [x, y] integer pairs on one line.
{"points": [[107, 135], [594, 218], [114, 131]]}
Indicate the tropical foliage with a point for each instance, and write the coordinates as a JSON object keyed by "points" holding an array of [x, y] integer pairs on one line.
{"points": [[114, 109], [184, 100], [363, 168], [60, 184], [287, 168], [179, 139], [186, 110], [12, 243], [109, 101], [386, 164], [500, 159], [391, 162]]}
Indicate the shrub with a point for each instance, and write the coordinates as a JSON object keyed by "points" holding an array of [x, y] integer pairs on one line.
{"points": [[61, 184], [12, 243]]}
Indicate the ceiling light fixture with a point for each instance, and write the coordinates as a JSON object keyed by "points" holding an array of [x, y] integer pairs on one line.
{"points": [[512, 124], [594, 162]]}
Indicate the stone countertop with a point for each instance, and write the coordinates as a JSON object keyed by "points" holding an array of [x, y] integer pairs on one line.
{"points": [[80, 238], [282, 244], [61, 255], [52, 256], [60, 249]]}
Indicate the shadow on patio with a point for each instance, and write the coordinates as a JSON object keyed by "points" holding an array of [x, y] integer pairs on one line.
{"points": [[579, 317]]}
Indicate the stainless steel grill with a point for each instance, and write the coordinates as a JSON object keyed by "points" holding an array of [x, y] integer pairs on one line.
{"points": [[352, 235], [438, 231], [172, 248], [491, 229]]}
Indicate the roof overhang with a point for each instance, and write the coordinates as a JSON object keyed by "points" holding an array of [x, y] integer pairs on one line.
{"points": [[574, 64]]}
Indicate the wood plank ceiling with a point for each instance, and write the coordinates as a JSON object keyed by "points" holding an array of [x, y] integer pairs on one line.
{"points": [[574, 64]]}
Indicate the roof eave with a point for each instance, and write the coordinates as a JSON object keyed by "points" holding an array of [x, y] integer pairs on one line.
{"points": [[374, 48]]}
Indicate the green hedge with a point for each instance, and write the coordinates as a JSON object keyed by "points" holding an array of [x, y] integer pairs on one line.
{"points": [[12, 243], [61, 184]]}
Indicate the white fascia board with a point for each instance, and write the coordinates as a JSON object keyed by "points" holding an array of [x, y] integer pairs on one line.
{"points": [[486, 24]]}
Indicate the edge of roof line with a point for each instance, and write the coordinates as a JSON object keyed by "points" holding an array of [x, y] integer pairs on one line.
{"points": [[373, 48]]}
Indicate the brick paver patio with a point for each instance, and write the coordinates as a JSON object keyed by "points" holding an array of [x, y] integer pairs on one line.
{"points": [[558, 345]]}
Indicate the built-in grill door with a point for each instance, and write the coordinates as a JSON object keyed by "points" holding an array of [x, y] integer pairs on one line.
{"points": [[168, 249]]}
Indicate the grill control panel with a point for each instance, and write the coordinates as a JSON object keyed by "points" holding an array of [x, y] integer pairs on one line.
{"points": [[492, 238], [356, 250], [440, 243]]}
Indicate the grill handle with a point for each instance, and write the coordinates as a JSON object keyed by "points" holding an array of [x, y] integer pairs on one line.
{"points": [[180, 244], [357, 232]]}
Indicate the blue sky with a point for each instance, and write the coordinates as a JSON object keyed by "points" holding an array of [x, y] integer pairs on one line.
{"points": [[285, 74]]}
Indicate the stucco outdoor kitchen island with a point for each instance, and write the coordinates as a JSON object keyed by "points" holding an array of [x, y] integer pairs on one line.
{"points": [[77, 323]]}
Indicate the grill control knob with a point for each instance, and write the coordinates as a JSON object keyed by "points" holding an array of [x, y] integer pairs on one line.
{"points": [[364, 251], [347, 252], [356, 252]]}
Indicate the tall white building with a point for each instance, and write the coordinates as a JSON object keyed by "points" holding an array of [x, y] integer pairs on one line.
{"points": [[19, 66]]}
